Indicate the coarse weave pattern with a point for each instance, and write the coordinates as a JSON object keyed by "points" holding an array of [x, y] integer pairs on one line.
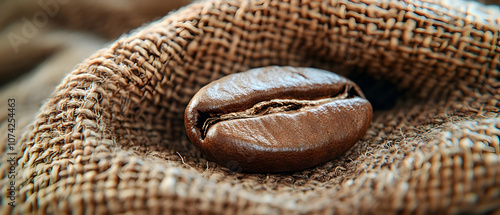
{"points": [[111, 138]]}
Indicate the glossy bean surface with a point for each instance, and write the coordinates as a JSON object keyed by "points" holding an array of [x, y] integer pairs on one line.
{"points": [[277, 119]]}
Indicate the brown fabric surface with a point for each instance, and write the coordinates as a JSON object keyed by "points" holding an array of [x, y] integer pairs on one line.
{"points": [[26, 27], [35, 54], [106, 18], [111, 140]]}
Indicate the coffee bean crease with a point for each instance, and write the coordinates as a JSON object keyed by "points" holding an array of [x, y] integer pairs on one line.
{"points": [[273, 106], [277, 119]]}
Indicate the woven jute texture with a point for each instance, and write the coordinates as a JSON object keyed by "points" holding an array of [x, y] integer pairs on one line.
{"points": [[110, 139], [106, 18]]}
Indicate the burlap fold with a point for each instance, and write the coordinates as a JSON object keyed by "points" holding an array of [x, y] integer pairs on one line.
{"points": [[110, 139]]}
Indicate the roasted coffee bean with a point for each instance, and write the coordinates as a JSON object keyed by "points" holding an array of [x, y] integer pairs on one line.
{"points": [[277, 119]]}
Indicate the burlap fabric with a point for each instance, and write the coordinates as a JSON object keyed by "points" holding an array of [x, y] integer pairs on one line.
{"points": [[42, 41], [106, 18], [110, 139]]}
